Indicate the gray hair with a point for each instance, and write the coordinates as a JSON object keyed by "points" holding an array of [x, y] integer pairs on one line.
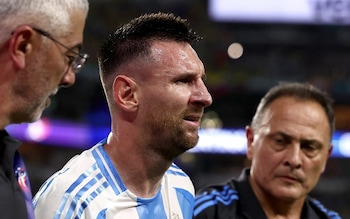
{"points": [[301, 91], [52, 16]]}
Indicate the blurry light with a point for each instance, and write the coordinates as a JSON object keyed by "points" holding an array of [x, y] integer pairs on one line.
{"points": [[222, 141], [211, 140], [211, 120], [235, 50], [187, 158], [38, 131], [344, 145]]}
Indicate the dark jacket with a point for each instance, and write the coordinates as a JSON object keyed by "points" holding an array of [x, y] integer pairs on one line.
{"points": [[236, 200], [12, 201]]}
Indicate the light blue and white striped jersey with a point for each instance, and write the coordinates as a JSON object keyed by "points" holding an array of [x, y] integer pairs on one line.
{"points": [[89, 186]]}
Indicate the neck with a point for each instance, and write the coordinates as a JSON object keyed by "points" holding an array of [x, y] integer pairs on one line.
{"points": [[141, 170]]}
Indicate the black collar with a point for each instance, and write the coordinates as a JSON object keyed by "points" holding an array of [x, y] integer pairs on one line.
{"points": [[249, 204]]}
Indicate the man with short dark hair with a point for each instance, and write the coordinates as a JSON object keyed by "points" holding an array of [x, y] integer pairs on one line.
{"points": [[289, 142]]}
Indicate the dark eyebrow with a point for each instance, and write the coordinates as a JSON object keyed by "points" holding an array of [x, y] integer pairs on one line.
{"points": [[284, 135], [311, 141]]}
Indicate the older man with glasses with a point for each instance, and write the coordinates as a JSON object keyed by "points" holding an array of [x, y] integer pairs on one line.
{"points": [[40, 46]]}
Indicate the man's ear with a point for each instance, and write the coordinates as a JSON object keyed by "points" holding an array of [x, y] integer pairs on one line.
{"points": [[329, 152], [20, 45], [330, 149], [124, 92], [250, 138]]}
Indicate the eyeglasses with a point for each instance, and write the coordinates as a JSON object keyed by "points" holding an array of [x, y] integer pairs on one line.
{"points": [[75, 62]]}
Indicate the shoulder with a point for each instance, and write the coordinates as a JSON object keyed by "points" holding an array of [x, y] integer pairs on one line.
{"points": [[179, 180], [321, 209], [177, 176], [216, 201], [65, 185]]}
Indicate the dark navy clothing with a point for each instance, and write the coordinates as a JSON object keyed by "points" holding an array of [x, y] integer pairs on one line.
{"points": [[236, 200], [12, 202]]}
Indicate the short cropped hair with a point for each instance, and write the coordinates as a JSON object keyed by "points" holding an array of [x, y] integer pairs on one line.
{"points": [[133, 39], [302, 91]]}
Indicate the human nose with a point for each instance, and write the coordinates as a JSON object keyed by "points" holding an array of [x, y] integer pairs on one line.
{"points": [[201, 96], [293, 157], [68, 78]]}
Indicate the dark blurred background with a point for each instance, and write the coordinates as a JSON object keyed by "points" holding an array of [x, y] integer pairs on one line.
{"points": [[317, 52]]}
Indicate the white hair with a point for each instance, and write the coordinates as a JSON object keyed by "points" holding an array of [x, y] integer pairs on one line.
{"points": [[53, 16]]}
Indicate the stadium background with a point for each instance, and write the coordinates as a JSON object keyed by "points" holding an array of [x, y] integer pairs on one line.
{"points": [[273, 51]]}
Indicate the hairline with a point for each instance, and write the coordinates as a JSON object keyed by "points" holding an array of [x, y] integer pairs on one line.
{"points": [[277, 92]]}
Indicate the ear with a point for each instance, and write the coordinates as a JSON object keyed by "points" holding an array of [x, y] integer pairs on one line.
{"points": [[330, 149], [250, 139], [124, 91], [20, 45]]}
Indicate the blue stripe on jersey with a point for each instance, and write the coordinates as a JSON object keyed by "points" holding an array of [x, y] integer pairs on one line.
{"points": [[102, 214], [176, 173], [331, 214], [104, 163], [173, 165], [77, 182], [81, 192], [186, 200], [208, 199], [175, 170], [151, 208], [91, 197]]}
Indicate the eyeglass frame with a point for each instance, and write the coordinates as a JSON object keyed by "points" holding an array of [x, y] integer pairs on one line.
{"points": [[76, 62]]}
